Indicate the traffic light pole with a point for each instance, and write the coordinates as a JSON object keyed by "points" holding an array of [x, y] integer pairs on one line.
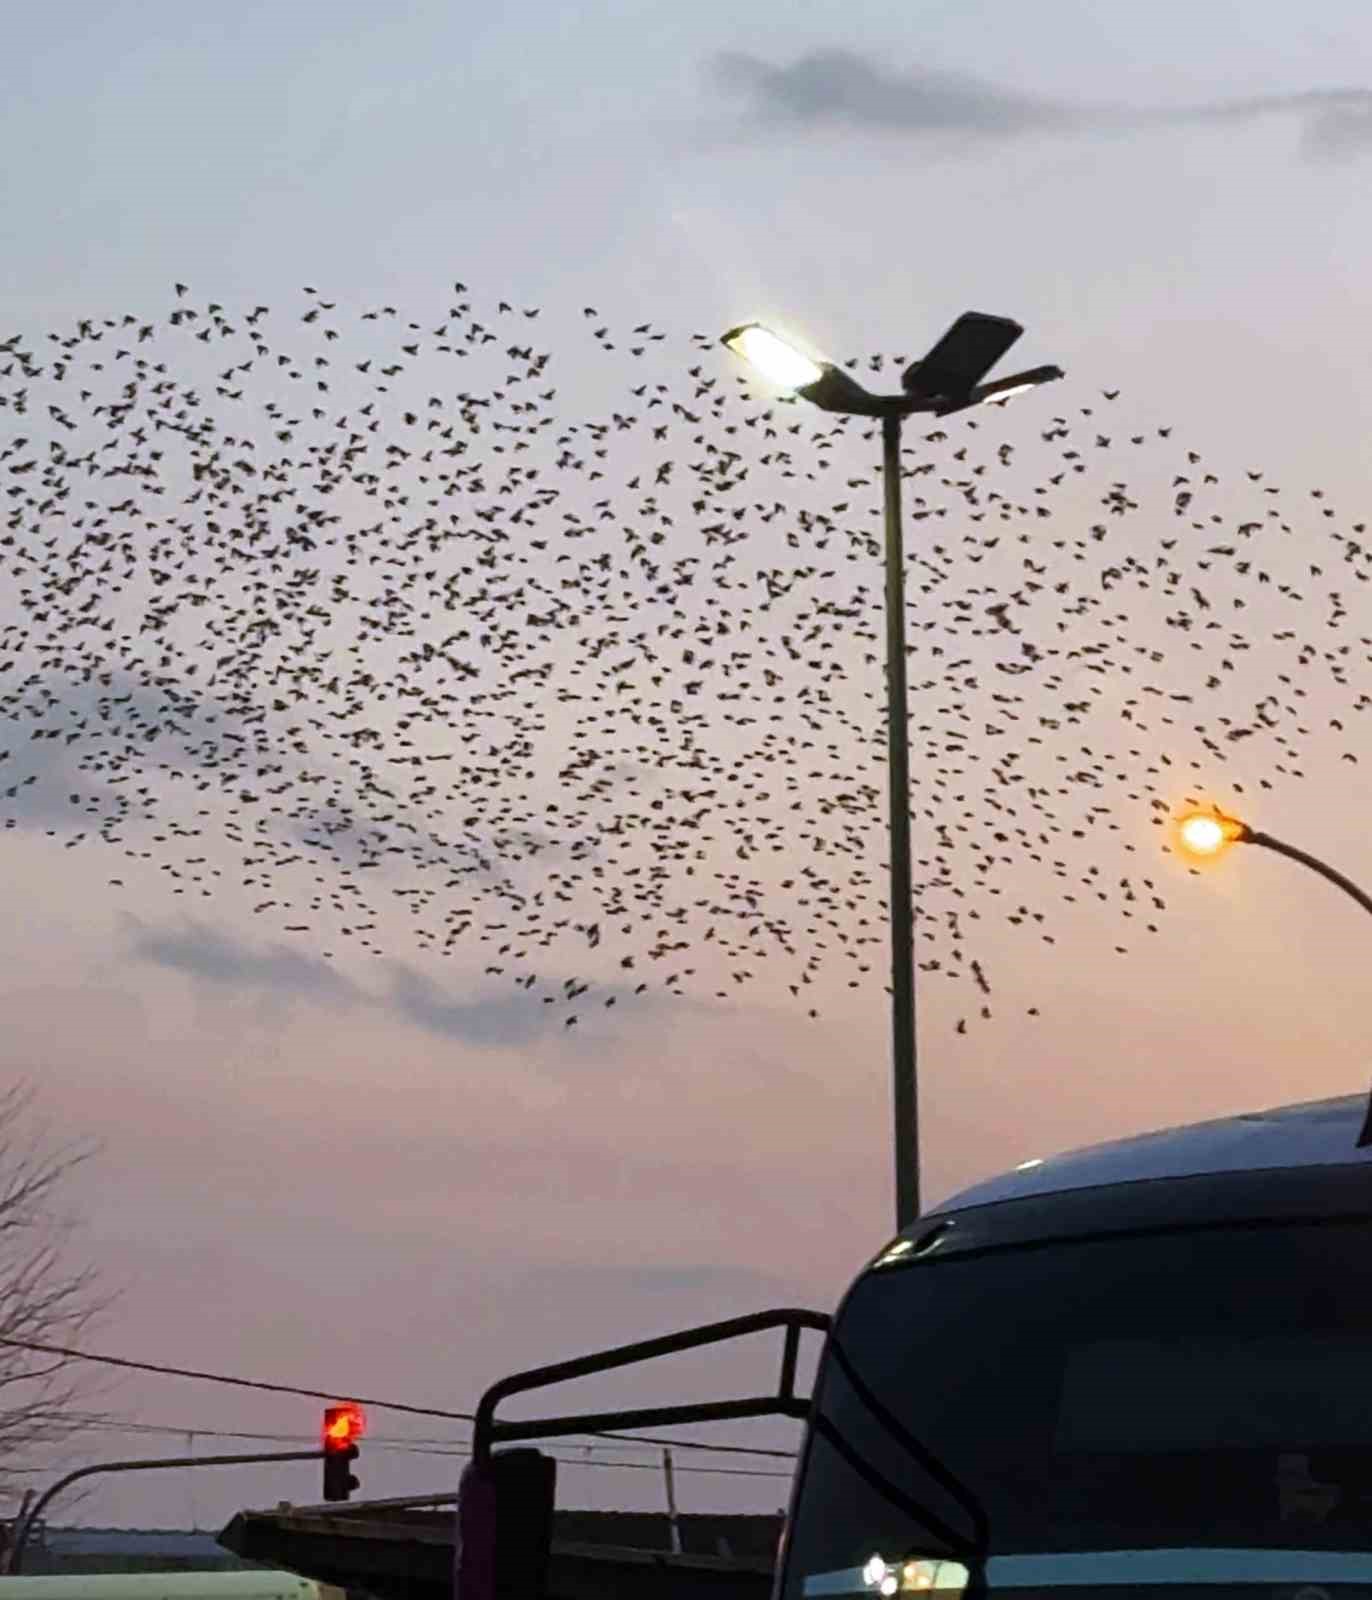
{"points": [[21, 1535]]}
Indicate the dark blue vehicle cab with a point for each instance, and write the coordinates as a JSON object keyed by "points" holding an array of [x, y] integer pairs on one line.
{"points": [[1139, 1368]]}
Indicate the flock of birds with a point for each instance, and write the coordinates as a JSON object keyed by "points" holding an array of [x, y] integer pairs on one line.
{"points": [[348, 616]]}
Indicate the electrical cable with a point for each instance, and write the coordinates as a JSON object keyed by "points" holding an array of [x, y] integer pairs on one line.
{"points": [[380, 1405], [399, 1442], [422, 1447]]}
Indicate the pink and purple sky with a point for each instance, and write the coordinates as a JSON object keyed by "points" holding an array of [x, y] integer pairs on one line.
{"points": [[317, 1176]]}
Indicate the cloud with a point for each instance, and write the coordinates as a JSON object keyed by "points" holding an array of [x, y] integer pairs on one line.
{"points": [[215, 957], [498, 1021], [36, 792], [494, 1021], [839, 87], [486, 1020], [352, 837], [75, 734], [1338, 122]]}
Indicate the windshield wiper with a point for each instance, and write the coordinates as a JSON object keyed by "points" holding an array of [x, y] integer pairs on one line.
{"points": [[958, 1546], [973, 1551]]}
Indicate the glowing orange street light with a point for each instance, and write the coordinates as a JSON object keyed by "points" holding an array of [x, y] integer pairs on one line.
{"points": [[1203, 835], [1208, 834]]}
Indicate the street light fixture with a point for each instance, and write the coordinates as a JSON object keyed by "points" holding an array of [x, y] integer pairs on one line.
{"points": [[1209, 833], [776, 360], [946, 380], [1206, 834]]}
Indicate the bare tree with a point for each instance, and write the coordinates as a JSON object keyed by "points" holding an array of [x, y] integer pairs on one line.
{"points": [[46, 1298]]}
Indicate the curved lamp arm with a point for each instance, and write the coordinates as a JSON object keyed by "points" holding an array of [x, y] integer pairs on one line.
{"points": [[1252, 836]]}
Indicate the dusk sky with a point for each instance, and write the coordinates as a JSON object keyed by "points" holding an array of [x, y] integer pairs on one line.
{"points": [[407, 1185]]}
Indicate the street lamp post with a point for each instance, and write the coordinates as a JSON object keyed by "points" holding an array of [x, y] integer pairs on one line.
{"points": [[1207, 834], [904, 1082], [948, 379]]}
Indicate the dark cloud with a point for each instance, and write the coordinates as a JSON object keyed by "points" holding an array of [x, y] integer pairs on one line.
{"points": [[352, 837], [838, 86], [67, 736], [1338, 122], [206, 953], [36, 786], [489, 1021], [485, 1020], [499, 1020]]}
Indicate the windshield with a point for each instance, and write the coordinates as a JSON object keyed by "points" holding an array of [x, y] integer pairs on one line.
{"points": [[1208, 1388]]}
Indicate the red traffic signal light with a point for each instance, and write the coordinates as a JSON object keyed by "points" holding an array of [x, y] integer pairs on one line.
{"points": [[344, 1425]]}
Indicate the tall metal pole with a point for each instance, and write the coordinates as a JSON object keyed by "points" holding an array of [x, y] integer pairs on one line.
{"points": [[673, 1522], [905, 1097]]}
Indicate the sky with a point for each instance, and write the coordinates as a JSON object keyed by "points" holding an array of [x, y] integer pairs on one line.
{"points": [[405, 1187]]}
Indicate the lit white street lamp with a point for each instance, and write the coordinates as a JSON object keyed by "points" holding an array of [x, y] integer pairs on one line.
{"points": [[777, 361]]}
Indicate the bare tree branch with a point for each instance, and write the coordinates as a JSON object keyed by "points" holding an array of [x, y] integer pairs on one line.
{"points": [[45, 1296]]}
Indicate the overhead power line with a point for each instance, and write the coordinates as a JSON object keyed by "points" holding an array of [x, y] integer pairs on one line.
{"points": [[220, 1377], [422, 1447], [116, 1424], [164, 1370]]}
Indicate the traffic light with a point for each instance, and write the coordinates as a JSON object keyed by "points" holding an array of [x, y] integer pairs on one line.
{"points": [[343, 1426]]}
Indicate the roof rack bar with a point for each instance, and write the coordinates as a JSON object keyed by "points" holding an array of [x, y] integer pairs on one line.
{"points": [[486, 1429]]}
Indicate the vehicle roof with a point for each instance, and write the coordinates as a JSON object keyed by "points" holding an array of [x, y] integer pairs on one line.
{"points": [[1314, 1133], [216, 1585]]}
